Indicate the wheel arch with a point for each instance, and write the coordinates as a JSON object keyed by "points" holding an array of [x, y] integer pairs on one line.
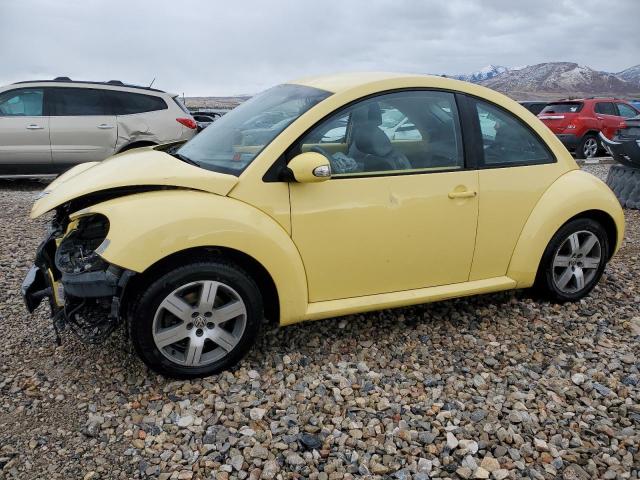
{"points": [[136, 144], [591, 131], [608, 223], [576, 194], [250, 265]]}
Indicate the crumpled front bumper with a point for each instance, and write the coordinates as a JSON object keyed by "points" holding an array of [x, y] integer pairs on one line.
{"points": [[44, 280], [35, 287], [39, 283]]}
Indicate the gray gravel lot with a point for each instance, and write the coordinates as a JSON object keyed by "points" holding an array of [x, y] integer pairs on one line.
{"points": [[495, 386]]}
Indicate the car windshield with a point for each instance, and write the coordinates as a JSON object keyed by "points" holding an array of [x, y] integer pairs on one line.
{"points": [[566, 107], [231, 143]]}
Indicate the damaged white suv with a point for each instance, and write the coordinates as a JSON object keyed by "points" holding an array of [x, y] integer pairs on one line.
{"points": [[48, 126]]}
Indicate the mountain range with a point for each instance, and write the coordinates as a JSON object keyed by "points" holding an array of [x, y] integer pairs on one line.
{"points": [[543, 81], [553, 79]]}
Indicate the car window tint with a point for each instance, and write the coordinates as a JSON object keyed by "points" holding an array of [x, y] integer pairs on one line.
{"points": [[626, 111], [506, 140], [25, 102], [409, 131], [127, 103], [606, 108], [77, 102], [563, 107]]}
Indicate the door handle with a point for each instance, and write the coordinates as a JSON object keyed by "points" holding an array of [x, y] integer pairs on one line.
{"points": [[462, 194], [33, 126], [105, 126]]}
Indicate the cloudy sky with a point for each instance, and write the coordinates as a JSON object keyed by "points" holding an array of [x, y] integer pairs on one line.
{"points": [[201, 47]]}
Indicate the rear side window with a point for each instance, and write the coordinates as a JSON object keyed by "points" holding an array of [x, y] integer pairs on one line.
{"points": [[23, 102], [76, 102], [128, 103], [562, 107], [626, 111], [606, 108], [507, 141]]}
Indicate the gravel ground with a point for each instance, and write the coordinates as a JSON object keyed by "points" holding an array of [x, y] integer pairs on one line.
{"points": [[495, 386]]}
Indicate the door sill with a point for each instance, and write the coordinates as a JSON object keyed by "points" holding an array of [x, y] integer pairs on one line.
{"points": [[346, 306]]}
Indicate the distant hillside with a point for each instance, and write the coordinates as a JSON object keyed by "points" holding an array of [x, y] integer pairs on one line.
{"points": [[215, 102], [543, 81], [631, 74], [562, 78], [485, 73], [557, 79]]}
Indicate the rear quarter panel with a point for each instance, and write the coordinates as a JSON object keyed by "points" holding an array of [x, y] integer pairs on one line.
{"points": [[570, 195]]}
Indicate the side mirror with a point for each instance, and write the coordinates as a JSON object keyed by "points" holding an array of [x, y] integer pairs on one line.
{"points": [[310, 167]]}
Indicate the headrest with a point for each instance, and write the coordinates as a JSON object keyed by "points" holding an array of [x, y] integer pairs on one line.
{"points": [[367, 113], [373, 141]]}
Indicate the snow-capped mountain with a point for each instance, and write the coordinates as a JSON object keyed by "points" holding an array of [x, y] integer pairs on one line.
{"points": [[565, 78], [631, 74], [485, 73]]}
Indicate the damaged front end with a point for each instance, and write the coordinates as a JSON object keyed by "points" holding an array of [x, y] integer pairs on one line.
{"points": [[84, 291]]}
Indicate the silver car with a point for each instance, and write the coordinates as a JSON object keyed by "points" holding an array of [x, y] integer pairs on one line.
{"points": [[48, 126]]}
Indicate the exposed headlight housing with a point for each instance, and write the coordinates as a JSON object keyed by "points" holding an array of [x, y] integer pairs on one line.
{"points": [[76, 253]]}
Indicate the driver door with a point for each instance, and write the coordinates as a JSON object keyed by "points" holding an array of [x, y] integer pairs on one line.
{"points": [[387, 220]]}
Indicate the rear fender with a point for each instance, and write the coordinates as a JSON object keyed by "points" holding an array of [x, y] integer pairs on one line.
{"points": [[572, 194]]}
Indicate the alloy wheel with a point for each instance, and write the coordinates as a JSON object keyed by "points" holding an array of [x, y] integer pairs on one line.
{"points": [[199, 323], [576, 262], [590, 147]]}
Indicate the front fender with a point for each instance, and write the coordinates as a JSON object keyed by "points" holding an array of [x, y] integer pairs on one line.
{"points": [[147, 227], [571, 194]]}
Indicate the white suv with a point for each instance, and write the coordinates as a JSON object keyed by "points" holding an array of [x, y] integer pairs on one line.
{"points": [[48, 126]]}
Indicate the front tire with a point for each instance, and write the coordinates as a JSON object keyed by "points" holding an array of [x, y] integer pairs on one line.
{"points": [[197, 320], [573, 261]]}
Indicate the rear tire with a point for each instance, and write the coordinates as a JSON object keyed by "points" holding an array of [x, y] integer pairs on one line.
{"points": [[574, 260], [588, 146], [197, 320]]}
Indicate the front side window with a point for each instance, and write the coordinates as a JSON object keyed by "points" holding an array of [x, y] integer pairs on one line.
{"points": [[24, 102], [231, 143], [606, 108], [626, 111], [77, 102], [506, 140], [401, 132]]}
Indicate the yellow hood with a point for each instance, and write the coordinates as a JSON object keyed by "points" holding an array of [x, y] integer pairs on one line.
{"points": [[146, 167]]}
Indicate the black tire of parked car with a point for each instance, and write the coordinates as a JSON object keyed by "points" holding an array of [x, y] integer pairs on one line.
{"points": [[545, 283], [580, 148], [145, 306]]}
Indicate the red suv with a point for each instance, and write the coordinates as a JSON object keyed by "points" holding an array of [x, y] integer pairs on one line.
{"points": [[577, 123]]}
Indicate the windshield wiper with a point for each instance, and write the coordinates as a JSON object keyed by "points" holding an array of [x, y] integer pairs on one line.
{"points": [[184, 158]]}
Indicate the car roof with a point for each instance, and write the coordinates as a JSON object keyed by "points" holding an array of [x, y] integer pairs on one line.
{"points": [[346, 81], [110, 85], [589, 99]]}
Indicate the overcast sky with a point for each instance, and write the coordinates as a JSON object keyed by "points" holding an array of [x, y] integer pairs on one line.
{"points": [[202, 47]]}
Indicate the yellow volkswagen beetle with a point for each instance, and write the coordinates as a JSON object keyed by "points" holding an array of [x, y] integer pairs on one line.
{"points": [[321, 197]]}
